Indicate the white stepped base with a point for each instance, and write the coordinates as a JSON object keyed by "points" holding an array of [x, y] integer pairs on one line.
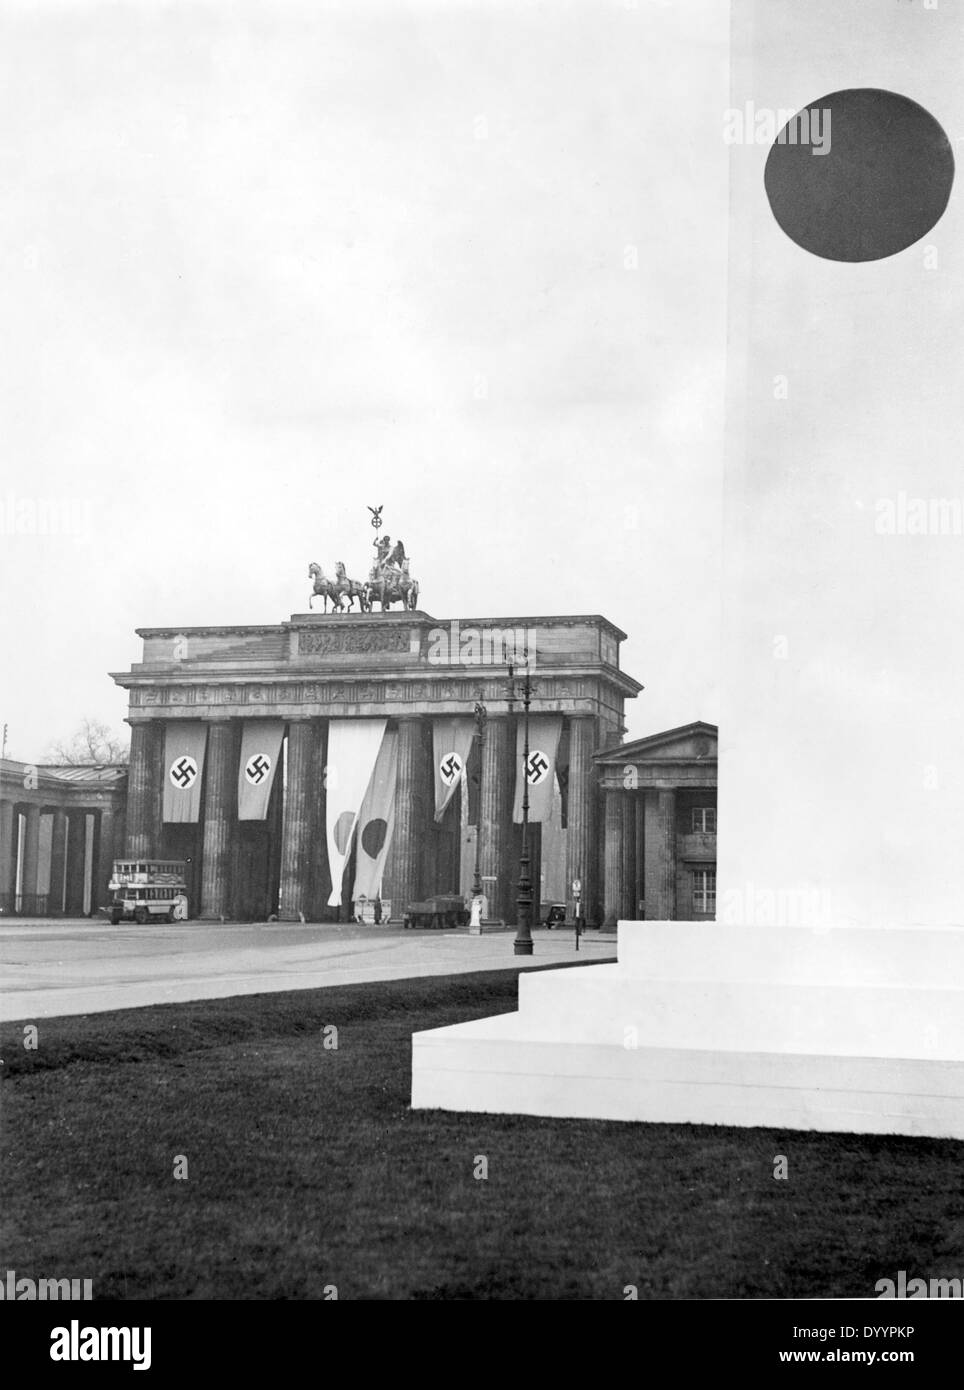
{"points": [[771, 1044]]}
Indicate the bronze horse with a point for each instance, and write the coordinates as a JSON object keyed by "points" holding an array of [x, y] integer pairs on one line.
{"points": [[328, 588], [337, 589], [352, 589]]}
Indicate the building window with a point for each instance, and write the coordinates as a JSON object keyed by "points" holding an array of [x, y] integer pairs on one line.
{"points": [[704, 890], [704, 819]]}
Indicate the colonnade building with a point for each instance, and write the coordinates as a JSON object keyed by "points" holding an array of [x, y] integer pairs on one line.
{"points": [[60, 830]]}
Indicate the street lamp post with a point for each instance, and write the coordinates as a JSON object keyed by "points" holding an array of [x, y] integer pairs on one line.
{"points": [[523, 940]]}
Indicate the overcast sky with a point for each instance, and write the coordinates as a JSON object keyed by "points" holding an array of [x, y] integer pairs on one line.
{"points": [[263, 265]]}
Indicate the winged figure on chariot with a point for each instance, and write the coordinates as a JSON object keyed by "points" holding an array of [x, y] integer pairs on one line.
{"points": [[389, 581]]}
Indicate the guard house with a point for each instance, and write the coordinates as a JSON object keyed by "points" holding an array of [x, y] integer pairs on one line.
{"points": [[291, 764], [659, 859], [60, 830]]}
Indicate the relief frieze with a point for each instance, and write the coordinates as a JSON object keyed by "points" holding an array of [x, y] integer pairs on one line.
{"points": [[350, 692], [348, 642]]}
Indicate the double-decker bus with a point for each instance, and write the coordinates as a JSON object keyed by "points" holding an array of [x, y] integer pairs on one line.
{"points": [[148, 889]]}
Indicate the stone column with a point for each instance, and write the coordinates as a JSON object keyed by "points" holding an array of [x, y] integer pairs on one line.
{"points": [[31, 848], [104, 856], [404, 857], [535, 854], [639, 876], [143, 789], [496, 796], [220, 818], [613, 857], [76, 841], [661, 855], [581, 817], [155, 801], [8, 826], [627, 911], [319, 884], [275, 840], [58, 860], [296, 832]]}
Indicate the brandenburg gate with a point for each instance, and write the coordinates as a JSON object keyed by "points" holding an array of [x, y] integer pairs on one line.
{"points": [[289, 763]]}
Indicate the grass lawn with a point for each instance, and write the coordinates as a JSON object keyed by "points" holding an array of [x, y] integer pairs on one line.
{"points": [[306, 1168]]}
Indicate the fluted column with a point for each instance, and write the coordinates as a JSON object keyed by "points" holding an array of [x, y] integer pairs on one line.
{"points": [[76, 846], [8, 826], [661, 855], [639, 877], [31, 850], [627, 907], [220, 818], [58, 860], [143, 789], [155, 801], [581, 815], [613, 857], [103, 857], [275, 834], [496, 797], [404, 857], [319, 884], [297, 822]]}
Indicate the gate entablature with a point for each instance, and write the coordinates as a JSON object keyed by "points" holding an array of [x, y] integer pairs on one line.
{"points": [[377, 664]]}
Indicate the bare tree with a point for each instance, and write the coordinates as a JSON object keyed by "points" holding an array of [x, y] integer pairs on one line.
{"points": [[93, 744]]}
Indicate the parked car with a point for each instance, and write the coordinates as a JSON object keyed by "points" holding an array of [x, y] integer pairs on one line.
{"points": [[444, 910]]}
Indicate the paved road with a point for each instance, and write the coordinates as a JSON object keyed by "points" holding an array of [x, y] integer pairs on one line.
{"points": [[80, 966]]}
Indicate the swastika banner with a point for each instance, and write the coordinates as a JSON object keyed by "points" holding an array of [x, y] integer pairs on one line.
{"points": [[353, 746], [451, 745], [376, 822], [260, 755], [184, 744], [544, 732]]}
